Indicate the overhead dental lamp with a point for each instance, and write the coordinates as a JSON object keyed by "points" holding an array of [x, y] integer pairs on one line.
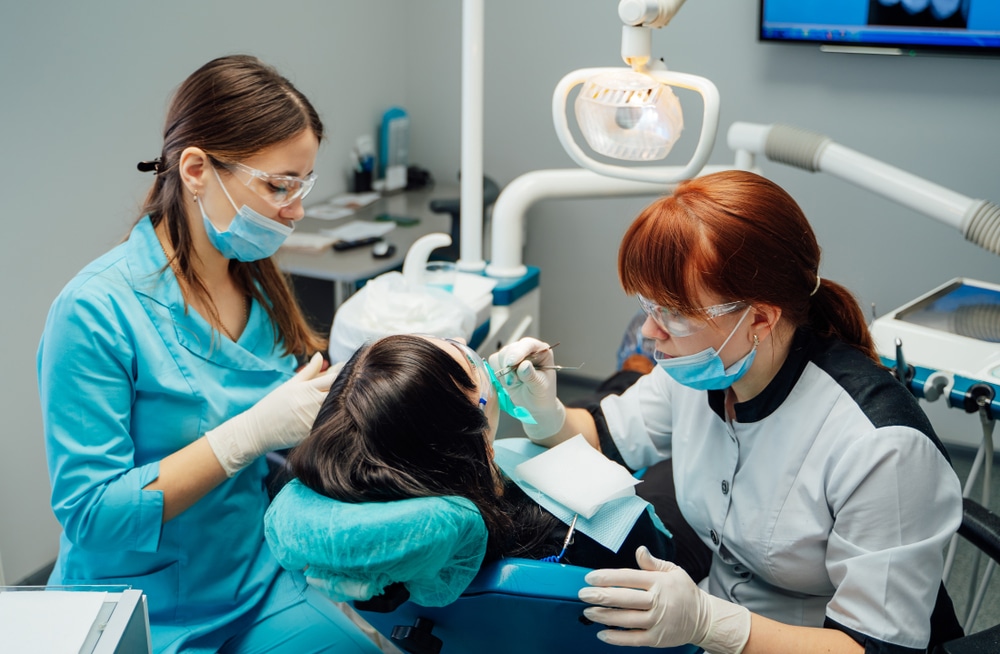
{"points": [[632, 113]]}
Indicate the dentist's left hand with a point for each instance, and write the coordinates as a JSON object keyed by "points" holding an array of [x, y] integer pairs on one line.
{"points": [[281, 419], [660, 606]]}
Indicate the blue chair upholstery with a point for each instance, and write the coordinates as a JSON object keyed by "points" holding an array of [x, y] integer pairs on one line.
{"points": [[513, 605]]}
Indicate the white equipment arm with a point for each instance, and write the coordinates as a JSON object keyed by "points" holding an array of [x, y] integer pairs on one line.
{"points": [[978, 220]]}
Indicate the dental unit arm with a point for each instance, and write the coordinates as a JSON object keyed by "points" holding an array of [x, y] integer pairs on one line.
{"points": [[977, 220]]}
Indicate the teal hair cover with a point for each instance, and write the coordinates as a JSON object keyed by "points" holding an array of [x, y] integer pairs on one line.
{"points": [[352, 551]]}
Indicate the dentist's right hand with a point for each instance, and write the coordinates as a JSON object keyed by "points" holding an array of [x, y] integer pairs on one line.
{"points": [[533, 389], [281, 419]]}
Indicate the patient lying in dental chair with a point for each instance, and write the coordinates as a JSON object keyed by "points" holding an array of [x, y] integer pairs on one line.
{"points": [[415, 417]]}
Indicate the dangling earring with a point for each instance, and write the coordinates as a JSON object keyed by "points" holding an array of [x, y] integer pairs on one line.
{"points": [[756, 343], [194, 195]]}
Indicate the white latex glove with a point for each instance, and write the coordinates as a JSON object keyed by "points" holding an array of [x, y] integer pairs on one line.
{"points": [[659, 606], [533, 389], [282, 418]]}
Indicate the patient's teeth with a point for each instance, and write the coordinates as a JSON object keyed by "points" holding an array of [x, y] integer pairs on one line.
{"points": [[944, 8], [915, 6]]}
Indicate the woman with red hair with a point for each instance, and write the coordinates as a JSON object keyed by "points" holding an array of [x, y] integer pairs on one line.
{"points": [[805, 467]]}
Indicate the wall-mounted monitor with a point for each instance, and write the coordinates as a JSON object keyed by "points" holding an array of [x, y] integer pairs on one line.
{"points": [[885, 26]]}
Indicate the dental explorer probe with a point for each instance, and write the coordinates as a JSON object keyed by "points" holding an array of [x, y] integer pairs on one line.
{"points": [[511, 368]]}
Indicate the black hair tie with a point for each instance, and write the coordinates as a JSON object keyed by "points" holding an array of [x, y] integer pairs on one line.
{"points": [[149, 166]]}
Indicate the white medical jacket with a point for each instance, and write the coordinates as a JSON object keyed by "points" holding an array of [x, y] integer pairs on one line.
{"points": [[828, 501]]}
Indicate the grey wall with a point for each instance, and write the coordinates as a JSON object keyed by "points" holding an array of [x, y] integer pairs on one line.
{"points": [[84, 91], [85, 86]]}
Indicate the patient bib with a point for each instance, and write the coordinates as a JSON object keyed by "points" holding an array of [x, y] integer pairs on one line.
{"points": [[609, 525]]}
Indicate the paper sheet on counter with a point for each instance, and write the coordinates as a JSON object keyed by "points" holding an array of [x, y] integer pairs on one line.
{"points": [[307, 242], [328, 212], [353, 200], [358, 229], [341, 206]]}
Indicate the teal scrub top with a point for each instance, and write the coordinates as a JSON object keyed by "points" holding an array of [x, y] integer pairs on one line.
{"points": [[127, 377]]}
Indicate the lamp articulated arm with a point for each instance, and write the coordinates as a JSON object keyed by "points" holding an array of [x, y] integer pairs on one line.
{"points": [[978, 220], [638, 18]]}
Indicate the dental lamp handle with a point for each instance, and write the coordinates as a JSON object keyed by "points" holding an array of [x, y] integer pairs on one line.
{"points": [[655, 174]]}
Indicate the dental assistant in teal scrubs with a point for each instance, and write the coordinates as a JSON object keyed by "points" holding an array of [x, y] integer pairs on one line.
{"points": [[167, 370]]}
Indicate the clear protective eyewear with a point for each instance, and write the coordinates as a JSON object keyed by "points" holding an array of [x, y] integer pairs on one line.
{"points": [[680, 325], [279, 190], [490, 387], [487, 391]]}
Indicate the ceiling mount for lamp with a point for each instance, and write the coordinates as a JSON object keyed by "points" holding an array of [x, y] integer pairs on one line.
{"points": [[631, 113]]}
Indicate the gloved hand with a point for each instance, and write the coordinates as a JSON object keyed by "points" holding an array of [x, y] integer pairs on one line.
{"points": [[533, 389], [662, 607], [282, 418]]}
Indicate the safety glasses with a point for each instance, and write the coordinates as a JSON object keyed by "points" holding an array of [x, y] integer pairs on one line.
{"points": [[487, 391], [279, 190], [490, 388], [680, 325]]}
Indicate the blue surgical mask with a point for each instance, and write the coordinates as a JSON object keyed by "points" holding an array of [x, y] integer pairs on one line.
{"points": [[250, 237], [704, 371]]}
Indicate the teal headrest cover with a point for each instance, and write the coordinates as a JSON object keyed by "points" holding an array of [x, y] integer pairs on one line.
{"points": [[433, 545]]}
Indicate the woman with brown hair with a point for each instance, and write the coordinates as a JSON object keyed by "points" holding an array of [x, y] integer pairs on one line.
{"points": [[415, 416], [810, 473], [167, 368]]}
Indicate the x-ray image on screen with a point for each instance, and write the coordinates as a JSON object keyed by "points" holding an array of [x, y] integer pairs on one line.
{"points": [[919, 13], [965, 27]]}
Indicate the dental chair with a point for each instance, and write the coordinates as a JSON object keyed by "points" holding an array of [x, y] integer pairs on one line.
{"points": [[412, 570], [981, 528], [433, 597], [513, 605]]}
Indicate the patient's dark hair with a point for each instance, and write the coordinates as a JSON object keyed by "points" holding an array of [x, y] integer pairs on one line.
{"points": [[399, 422]]}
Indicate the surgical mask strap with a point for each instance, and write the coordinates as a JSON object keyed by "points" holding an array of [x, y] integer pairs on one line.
{"points": [[732, 333], [228, 197]]}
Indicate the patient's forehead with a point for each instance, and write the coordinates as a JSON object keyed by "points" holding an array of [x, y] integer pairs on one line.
{"points": [[456, 352]]}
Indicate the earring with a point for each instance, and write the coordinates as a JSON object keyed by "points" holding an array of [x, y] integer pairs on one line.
{"points": [[194, 195], [756, 343]]}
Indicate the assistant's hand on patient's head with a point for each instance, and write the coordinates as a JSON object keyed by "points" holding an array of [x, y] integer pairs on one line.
{"points": [[660, 606], [529, 387], [281, 419], [316, 383], [334, 369]]}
